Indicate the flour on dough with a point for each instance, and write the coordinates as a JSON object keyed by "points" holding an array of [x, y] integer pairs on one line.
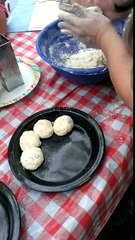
{"points": [[29, 139], [32, 158], [95, 9], [63, 125], [86, 59], [43, 128]]}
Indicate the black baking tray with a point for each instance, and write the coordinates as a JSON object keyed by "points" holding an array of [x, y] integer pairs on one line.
{"points": [[9, 214], [70, 160]]}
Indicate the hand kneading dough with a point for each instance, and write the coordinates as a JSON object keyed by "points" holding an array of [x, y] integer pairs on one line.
{"points": [[32, 158], [43, 128], [29, 139], [62, 125]]}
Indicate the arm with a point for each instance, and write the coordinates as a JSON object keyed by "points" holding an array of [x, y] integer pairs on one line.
{"points": [[120, 63]]}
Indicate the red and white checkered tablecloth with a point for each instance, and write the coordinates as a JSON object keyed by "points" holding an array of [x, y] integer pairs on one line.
{"points": [[81, 213]]}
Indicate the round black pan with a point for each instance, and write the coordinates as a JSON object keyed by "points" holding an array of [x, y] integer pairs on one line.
{"points": [[9, 214], [70, 160]]}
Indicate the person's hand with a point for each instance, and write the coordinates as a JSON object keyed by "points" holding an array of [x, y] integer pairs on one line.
{"points": [[107, 7], [85, 25]]}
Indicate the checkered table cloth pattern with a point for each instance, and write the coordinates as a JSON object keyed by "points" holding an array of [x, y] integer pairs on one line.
{"points": [[79, 214]]}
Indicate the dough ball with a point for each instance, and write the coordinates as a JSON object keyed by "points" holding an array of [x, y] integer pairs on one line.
{"points": [[32, 158], [29, 139], [86, 59], [43, 128], [95, 9], [62, 125]]}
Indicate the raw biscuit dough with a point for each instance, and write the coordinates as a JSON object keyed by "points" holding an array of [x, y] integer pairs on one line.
{"points": [[29, 139], [43, 128], [32, 158], [63, 125], [95, 9], [86, 59]]}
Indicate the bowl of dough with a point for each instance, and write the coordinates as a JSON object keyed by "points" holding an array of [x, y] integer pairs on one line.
{"points": [[72, 59]]}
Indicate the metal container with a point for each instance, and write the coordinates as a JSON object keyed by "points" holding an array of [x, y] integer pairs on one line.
{"points": [[10, 75]]}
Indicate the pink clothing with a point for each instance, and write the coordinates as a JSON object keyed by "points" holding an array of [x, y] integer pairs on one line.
{"points": [[4, 9]]}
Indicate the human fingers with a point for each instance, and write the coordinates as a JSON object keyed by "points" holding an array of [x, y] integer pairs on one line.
{"points": [[69, 17], [70, 26], [83, 12], [77, 33], [85, 3], [65, 7], [74, 8], [84, 38], [76, 24], [78, 10], [65, 31]]}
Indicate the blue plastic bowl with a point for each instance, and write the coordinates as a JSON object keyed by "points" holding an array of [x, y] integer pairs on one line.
{"points": [[51, 45]]}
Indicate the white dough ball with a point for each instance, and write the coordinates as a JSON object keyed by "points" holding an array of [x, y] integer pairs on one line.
{"points": [[29, 139], [43, 128], [95, 9], [63, 125], [32, 158]]}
